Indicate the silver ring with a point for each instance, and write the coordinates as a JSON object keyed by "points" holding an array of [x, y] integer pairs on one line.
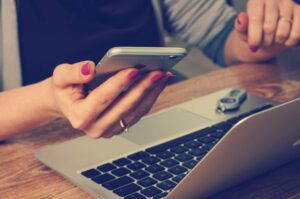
{"points": [[124, 126]]}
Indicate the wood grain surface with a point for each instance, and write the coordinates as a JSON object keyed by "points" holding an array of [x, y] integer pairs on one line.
{"points": [[22, 176]]}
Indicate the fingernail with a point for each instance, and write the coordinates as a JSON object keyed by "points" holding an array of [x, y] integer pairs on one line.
{"points": [[157, 77], [254, 48], [133, 74], [238, 21], [85, 69]]}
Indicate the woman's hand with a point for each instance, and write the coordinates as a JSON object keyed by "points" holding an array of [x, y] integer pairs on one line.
{"points": [[98, 114], [269, 25]]}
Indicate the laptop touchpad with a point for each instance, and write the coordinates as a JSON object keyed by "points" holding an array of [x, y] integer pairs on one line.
{"points": [[163, 125]]}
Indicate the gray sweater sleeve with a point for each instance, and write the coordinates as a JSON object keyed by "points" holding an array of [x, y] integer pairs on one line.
{"points": [[200, 23]]}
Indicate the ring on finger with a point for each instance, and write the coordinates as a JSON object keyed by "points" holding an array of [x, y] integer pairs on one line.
{"points": [[124, 125], [286, 19]]}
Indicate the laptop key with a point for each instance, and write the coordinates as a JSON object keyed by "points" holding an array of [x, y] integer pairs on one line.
{"points": [[206, 139], [138, 156], [178, 178], [183, 157], [169, 163], [163, 175], [218, 133], [103, 178], [146, 182], [179, 149], [177, 170], [106, 167], [151, 191], [126, 190], [192, 144], [90, 173], [200, 157], [165, 154], [114, 184], [223, 125], [136, 166], [154, 168], [173, 143], [166, 185], [198, 152], [135, 196], [151, 160], [121, 162], [209, 146], [234, 120], [120, 172], [160, 195], [139, 174], [190, 164]]}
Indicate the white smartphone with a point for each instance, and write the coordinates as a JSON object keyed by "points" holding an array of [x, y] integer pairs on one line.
{"points": [[144, 58]]}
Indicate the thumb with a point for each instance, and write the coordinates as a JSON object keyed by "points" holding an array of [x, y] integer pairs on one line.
{"points": [[241, 25], [78, 73]]}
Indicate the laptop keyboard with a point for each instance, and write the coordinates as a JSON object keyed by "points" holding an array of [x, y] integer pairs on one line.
{"points": [[154, 172]]}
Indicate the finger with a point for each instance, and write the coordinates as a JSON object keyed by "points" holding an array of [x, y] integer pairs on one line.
{"points": [[101, 97], [284, 26], [241, 25], [255, 10], [270, 22], [294, 38], [69, 74], [121, 107], [141, 109]]}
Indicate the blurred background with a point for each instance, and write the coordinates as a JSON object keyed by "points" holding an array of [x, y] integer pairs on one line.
{"points": [[196, 63]]}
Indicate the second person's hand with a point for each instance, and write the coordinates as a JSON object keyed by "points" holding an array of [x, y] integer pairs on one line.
{"points": [[269, 25]]}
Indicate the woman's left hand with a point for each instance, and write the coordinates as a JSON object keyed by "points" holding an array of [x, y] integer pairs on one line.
{"points": [[269, 24]]}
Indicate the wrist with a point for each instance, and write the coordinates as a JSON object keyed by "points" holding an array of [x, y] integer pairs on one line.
{"points": [[49, 101]]}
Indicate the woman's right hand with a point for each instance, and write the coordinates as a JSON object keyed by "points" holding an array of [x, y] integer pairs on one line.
{"points": [[99, 112]]}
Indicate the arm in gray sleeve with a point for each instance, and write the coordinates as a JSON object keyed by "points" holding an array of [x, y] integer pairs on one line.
{"points": [[199, 23]]}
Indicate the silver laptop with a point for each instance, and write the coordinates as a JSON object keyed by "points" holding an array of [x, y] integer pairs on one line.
{"points": [[186, 151]]}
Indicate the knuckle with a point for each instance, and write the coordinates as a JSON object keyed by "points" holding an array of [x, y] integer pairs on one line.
{"points": [[93, 135], [145, 87], [57, 74], [105, 100], [269, 28], [96, 133], [79, 124], [256, 19], [122, 84]]}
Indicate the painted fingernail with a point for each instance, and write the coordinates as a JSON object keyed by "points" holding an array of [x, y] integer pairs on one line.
{"points": [[254, 48], [133, 74], [157, 77], [85, 69]]}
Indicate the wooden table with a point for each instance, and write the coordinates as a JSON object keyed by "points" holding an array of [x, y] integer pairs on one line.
{"points": [[22, 176]]}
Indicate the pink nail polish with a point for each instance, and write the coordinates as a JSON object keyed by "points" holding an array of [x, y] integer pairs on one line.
{"points": [[85, 69], [133, 74], [254, 48], [157, 77]]}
